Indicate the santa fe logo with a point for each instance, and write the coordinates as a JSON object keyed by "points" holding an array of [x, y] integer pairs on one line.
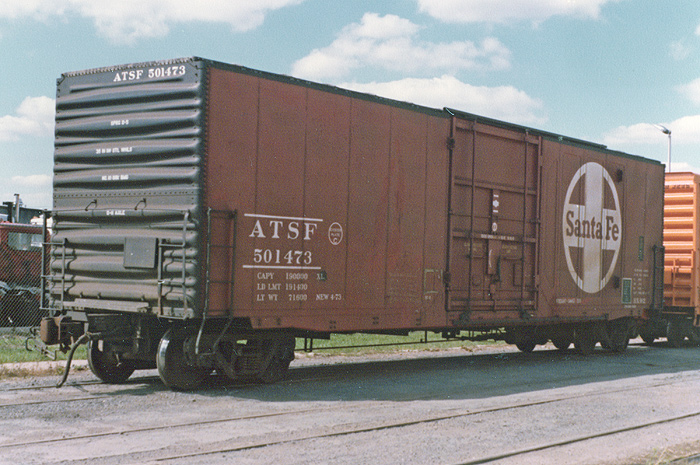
{"points": [[592, 233]]}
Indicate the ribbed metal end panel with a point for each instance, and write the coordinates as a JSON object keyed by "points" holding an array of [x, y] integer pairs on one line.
{"points": [[128, 177], [681, 219]]}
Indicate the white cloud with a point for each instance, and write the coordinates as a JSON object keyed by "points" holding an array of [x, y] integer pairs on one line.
{"points": [[680, 50], [37, 9], [389, 42], [32, 181], [683, 166], [685, 130], [691, 90], [504, 102], [126, 21], [502, 11], [33, 117], [35, 190], [641, 133]]}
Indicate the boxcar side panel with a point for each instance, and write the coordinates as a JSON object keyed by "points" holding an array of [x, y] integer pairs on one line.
{"points": [[575, 253], [549, 222], [326, 191], [406, 217], [341, 216], [231, 166], [334, 201], [277, 225], [436, 232], [368, 204], [606, 219]]}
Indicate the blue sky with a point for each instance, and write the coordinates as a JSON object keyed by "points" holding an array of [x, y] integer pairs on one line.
{"points": [[599, 70]]}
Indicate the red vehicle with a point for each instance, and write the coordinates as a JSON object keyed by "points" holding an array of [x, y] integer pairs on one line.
{"points": [[207, 214], [20, 254], [20, 274]]}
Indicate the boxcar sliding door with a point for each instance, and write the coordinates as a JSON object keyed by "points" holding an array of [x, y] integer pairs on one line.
{"points": [[493, 228]]}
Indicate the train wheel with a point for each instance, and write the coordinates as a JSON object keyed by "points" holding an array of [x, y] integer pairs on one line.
{"points": [[618, 336], [226, 357], [561, 343], [173, 367], [526, 346], [674, 333], [281, 354], [695, 336], [106, 366], [585, 340], [647, 337]]}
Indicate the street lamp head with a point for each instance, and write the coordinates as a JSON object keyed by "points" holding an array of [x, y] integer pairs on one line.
{"points": [[663, 129], [666, 131]]}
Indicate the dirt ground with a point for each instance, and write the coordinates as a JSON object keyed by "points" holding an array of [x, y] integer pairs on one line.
{"points": [[490, 405]]}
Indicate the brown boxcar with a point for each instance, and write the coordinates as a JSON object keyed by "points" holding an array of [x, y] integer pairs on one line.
{"points": [[223, 211]]}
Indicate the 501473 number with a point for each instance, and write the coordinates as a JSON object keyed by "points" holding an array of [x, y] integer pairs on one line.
{"points": [[281, 257], [166, 71]]}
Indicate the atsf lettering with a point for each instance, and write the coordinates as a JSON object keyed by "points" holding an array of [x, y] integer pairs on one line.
{"points": [[281, 229], [133, 75], [151, 73]]}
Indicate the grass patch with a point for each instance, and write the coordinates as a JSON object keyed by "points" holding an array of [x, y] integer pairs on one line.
{"points": [[8, 371], [13, 350], [342, 344]]}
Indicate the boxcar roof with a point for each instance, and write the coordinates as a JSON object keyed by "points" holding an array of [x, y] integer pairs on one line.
{"points": [[444, 112]]}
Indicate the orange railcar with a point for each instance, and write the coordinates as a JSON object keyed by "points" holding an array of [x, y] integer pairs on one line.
{"points": [[681, 245]]}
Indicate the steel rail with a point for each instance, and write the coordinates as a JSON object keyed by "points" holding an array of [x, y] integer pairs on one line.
{"points": [[352, 429], [588, 437], [159, 427], [381, 427], [355, 429]]}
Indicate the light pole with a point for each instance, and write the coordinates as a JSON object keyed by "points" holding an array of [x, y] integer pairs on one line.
{"points": [[666, 131]]}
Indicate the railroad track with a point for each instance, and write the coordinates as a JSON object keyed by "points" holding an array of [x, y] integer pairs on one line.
{"points": [[155, 428], [483, 460], [686, 460], [584, 438], [376, 416], [349, 429]]}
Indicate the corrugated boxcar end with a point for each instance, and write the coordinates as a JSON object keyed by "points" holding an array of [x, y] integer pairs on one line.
{"points": [[127, 189], [130, 66], [681, 314]]}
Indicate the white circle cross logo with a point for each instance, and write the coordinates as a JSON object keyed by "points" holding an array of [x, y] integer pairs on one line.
{"points": [[592, 233]]}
